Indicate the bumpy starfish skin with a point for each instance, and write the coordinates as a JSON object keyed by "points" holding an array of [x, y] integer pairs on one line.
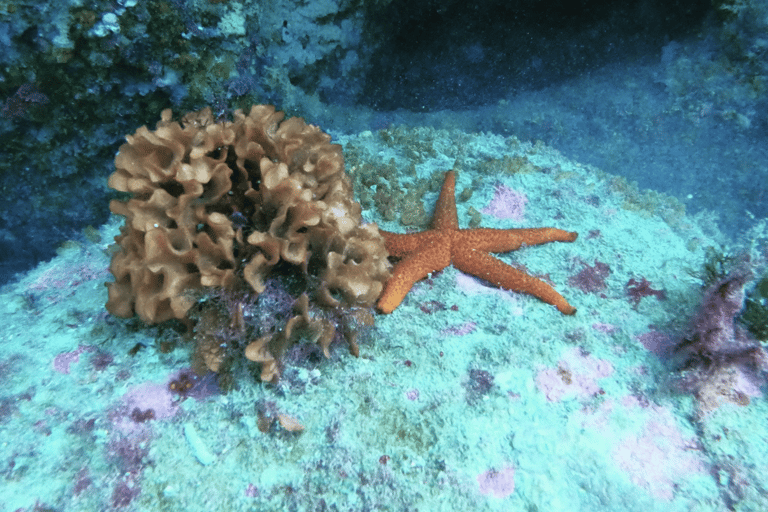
{"points": [[467, 249]]}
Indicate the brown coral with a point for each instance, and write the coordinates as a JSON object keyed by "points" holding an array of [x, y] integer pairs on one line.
{"points": [[268, 349], [222, 204]]}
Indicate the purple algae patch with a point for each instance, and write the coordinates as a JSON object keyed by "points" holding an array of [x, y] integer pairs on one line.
{"points": [[591, 279]]}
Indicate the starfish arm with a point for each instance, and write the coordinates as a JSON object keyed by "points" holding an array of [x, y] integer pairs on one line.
{"points": [[400, 245], [504, 240], [409, 270], [445, 216], [497, 272]]}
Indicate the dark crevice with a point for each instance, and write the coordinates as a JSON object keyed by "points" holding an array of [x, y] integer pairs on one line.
{"points": [[438, 56]]}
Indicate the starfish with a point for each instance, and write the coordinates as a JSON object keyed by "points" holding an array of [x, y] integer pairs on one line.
{"points": [[467, 249]]}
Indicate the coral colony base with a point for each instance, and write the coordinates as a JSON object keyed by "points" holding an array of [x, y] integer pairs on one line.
{"points": [[243, 237]]}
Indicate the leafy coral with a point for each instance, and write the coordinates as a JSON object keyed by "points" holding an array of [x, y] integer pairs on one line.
{"points": [[228, 206]]}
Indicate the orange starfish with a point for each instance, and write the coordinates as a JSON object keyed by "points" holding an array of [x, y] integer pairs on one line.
{"points": [[467, 249]]}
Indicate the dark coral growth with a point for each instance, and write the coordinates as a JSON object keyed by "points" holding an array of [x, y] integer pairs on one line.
{"points": [[83, 481], [124, 493], [432, 306], [101, 360], [8, 407], [480, 383], [755, 314], [128, 454], [82, 426], [140, 416], [636, 290], [591, 279], [306, 321], [182, 384], [719, 264], [26, 97], [719, 358], [187, 384], [713, 329]]}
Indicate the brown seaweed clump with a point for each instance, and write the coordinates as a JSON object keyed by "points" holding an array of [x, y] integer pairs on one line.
{"points": [[228, 205]]}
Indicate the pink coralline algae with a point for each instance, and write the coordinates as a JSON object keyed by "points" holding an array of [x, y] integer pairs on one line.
{"points": [[124, 493], [605, 328], [473, 285], [659, 343], [251, 491], [156, 397], [591, 279], [659, 455], [646, 443], [506, 204], [25, 97], [61, 280], [459, 330], [636, 290], [62, 361], [576, 376], [83, 481], [721, 360], [498, 484], [61, 276], [142, 403], [713, 331]]}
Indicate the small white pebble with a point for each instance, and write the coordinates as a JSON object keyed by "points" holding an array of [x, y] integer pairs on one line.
{"points": [[196, 443]]}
